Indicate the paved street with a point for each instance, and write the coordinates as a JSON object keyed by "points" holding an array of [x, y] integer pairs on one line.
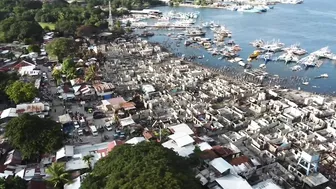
{"points": [[58, 108]]}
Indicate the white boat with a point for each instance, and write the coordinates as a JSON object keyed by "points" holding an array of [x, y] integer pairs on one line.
{"points": [[291, 1], [257, 43], [195, 32], [305, 83], [296, 68], [241, 63], [262, 66], [273, 46], [324, 52], [295, 49]]}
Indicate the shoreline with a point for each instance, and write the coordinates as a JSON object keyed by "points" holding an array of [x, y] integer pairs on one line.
{"points": [[289, 93]]}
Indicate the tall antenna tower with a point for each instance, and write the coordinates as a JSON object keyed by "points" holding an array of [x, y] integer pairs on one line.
{"points": [[110, 18]]}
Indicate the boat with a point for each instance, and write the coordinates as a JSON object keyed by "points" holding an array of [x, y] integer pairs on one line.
{"points": [[296, 68], [221, 58], [262, 66], [291, 1], [257, 43], [195, 32], [295, 49], [273, 46], [305, 83], [255, 54], [187, 43], [241, 63], [322, 76]]}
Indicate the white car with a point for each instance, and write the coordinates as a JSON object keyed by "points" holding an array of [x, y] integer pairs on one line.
{"points": [[109, 127], [80, 132]]}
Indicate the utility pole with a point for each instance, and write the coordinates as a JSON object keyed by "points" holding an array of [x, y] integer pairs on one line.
{"points": [[110, 18]]}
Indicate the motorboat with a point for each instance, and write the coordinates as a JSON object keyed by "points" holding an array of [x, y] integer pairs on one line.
{"points": [[322, 76], [255, 54], [291, 1], [262, 66]]}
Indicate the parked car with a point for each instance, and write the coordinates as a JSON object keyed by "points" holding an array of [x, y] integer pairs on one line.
{"points": [[80, 132], [109, 127], [98, 115]]}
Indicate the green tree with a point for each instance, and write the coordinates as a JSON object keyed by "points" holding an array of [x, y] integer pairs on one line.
{"points": [[90, 73], [86, 31], [20, 92], [60, 48], [57, 75], [69, 68], [13, 182], [58, 175], [6, 79], [145, 165], [34, 136], [34, 48], [66, 27], [87, 159]]}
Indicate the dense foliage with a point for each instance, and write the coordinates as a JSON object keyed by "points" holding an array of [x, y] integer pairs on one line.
{"points": [[20, 92], [60, 48], [5, 80], [12, 183], [143, 166], [33, 135], [21, 19]]}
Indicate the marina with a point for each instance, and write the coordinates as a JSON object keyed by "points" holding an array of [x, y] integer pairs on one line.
{"points": [[306, 38]]}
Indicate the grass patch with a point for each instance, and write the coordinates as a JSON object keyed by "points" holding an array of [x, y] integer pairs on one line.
{"points": [[50, 25]]}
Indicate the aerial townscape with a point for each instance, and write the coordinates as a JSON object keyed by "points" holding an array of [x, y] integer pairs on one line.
{"points": [[149, 94]]}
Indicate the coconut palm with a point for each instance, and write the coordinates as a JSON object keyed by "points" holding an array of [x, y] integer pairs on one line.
{"points": [[87, 159], [58, 175], [90, 73]]}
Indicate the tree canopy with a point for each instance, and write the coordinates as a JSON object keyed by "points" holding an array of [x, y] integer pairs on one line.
{"points": [[13, 183], [5, 80], [33, 135], [60, 48], [20, 92], [143, 166]]}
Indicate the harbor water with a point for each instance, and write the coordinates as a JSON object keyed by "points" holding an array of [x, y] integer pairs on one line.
{"points": [[311, 24]]}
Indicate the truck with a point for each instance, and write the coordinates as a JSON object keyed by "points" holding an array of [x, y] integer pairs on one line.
{"points": [[93, 130]]}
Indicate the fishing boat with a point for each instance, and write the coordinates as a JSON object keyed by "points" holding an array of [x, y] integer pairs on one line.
{"points": [[273, 46]]}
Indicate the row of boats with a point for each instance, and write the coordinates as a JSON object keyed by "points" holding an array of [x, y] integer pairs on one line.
{"points": [[292, 54]]}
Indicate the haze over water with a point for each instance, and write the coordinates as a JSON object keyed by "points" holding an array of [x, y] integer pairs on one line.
{"points": [[312, 24]]}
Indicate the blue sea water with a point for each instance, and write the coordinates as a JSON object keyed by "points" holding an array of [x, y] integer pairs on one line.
{"points": [[312, 24]]}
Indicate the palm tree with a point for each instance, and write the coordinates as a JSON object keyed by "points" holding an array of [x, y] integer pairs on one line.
{"points": [[87, 159], [58, 175], [90, 73]]}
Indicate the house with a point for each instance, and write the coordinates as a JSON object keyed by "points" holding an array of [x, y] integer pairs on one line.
{"points": [[113, 103], [8, 113], [39, 109], [104, 89]]}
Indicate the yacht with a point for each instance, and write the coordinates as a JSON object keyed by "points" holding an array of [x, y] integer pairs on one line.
{"points": [[296, 68], [295, 49]]}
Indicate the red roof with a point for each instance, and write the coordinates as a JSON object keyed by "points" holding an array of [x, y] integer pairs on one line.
{"points": [[21, 64], [208, 155], [113, 144], [239, 160], [222, 151]]}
